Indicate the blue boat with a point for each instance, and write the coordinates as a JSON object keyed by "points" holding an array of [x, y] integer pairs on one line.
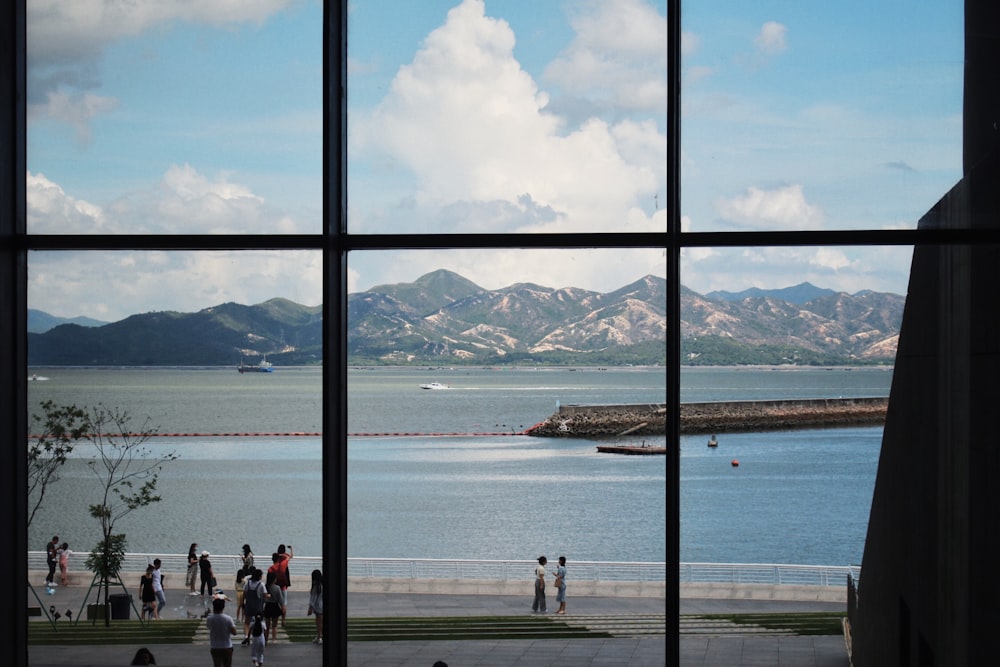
{"points": [[263, 367]]}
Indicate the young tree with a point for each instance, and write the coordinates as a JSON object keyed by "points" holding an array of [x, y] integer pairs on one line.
{"points": [[128, 473], [56, 432]]}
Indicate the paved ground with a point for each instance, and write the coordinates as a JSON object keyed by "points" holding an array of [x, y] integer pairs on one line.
{"points": [[696, 650]]}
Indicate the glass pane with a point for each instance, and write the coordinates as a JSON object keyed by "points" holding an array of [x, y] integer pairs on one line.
{"points": [[507, 117], [161, 336], [171, 118], [786, 372], [473, 428], [816, 115]]}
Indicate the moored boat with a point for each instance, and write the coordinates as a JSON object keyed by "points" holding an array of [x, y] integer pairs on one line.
{"points": [[635, 450]]}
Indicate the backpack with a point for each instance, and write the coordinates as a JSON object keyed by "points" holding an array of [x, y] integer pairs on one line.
{"points": [[258, 626], [253, 598]]}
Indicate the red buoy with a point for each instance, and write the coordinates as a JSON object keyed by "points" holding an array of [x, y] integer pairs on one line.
{"points": [[736, 463]]}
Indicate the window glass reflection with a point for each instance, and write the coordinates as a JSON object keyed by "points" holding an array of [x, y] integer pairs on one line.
{"points": [[461, 361], [812, 116], [502, 117], [785, 378], [166, 118]]}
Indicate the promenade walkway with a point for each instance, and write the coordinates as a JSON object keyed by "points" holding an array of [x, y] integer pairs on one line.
{"points": [[638, 643]]}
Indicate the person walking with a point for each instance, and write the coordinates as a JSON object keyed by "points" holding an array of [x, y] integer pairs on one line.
{"points": [[272, 604], [221, 629], [161, 598], [316, 604], [242, 574], [192, 571], [561, 585], [254, 594], [64, 553], [258, 640], [51, 559], [147, 595], [207, 576], [539, 604], [240, 583]]}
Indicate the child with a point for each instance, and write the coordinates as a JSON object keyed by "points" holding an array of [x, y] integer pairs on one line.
{"points": [[64, 553], [258, 640]]}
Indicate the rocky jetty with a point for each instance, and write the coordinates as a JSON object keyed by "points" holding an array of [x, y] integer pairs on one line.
{"points": [[611, 421]]}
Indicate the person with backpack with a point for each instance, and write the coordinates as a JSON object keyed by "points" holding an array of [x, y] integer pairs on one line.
{"points": [[258, 640], [253, 601]]}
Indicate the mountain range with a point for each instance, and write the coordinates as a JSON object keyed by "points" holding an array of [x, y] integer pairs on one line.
{"points": [[443, 318]]}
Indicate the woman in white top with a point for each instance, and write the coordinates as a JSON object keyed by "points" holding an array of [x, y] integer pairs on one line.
{"points": [[539, 604]]}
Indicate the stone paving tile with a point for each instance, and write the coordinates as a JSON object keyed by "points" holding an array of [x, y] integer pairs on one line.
{"points": [[695, 650]]}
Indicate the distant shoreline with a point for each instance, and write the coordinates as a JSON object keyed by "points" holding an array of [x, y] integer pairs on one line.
{"points": [[459, 367]]}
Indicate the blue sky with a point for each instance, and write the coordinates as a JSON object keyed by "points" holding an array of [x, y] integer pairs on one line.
{"points": [[481, 115]]}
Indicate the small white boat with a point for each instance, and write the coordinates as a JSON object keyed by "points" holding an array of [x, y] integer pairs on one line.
{"points": [[433, 385]]}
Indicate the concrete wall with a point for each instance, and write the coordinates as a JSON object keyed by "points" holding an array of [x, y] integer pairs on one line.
{"points": [[929, 591]]}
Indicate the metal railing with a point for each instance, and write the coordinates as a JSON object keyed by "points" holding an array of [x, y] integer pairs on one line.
{"points": [[498, 570], [504, 570], [771, 574]]}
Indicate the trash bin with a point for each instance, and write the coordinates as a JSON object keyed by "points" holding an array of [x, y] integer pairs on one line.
{"points": [[120, 605]]}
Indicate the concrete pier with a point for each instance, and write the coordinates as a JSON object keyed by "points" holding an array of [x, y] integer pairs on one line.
{"points": [[608, 421]]}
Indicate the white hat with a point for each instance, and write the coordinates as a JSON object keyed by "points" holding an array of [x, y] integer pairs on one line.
{"points": [[205, 553]]}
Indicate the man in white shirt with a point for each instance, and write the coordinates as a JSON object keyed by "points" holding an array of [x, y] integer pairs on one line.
{"points": [[221, 629]]}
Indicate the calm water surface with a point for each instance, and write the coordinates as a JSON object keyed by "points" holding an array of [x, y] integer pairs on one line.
{"points": [[800, 496]]}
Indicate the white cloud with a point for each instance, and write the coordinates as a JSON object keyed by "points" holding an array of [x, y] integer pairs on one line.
{"points": [[66, 40], [618, 57], [695, 74], [690, 43], [830, 258], [779, 209], [472, 126], [76, 110], [848, 269], [771, 38], [599, 270], [113, 285], [185, 201], [51, 210]]}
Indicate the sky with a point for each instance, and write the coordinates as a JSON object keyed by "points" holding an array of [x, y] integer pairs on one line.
{"points": [[173, 116]]}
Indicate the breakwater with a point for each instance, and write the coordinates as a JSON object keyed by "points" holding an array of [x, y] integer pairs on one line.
{"points": [[607, 421]]}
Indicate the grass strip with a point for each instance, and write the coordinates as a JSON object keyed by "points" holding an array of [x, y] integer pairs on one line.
{"points": [[799, 623], [441, 628], [300, 629], [119, 632]]}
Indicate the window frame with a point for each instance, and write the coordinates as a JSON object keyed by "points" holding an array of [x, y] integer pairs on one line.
{"points": [[335, 242]]}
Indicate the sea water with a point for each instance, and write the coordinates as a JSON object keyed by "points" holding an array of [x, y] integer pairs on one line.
{"points": [[797, 496]]}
